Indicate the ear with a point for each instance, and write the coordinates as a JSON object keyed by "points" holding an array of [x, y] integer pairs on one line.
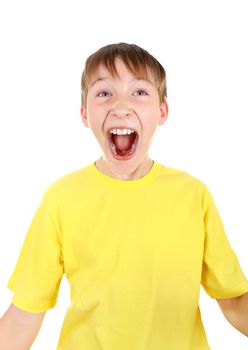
{"points": [[83, 113], [164, 110]]}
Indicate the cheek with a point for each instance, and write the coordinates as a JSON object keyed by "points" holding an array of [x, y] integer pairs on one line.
{"points": [[150, 109], [96, 117], [149, 116], [149, 123]]}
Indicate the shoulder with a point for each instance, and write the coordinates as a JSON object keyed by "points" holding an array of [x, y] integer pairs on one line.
{"points": [[187, 187], [183, 178], [68, 186]]}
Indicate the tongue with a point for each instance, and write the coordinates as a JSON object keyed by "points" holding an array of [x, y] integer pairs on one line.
{"points": [[123, 142]]}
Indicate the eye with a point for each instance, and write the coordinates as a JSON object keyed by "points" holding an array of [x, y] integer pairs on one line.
{"points": [[102, 94], [141, 92]]}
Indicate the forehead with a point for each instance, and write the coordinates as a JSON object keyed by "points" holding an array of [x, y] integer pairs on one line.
{"points": [[119, 70]]}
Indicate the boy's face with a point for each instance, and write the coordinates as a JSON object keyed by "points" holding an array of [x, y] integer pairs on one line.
{"points": [[123, 103]]}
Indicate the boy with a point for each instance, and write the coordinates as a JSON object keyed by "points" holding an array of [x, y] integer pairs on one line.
{"points": [[135, 238]]}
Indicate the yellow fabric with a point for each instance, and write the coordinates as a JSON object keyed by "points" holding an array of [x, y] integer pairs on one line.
{"points": [[134, 252]]}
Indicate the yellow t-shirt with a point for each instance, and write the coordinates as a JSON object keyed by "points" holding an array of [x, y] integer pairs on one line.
{"points": [[134, 252]]}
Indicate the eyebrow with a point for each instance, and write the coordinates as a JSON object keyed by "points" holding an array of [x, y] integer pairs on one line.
{"points": [[107, 78]]}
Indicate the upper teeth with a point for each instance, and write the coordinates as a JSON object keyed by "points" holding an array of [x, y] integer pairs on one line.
{"points": [[121, 132]]}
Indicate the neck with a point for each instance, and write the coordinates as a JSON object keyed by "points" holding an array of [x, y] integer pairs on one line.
{"points": [[142, 169]]}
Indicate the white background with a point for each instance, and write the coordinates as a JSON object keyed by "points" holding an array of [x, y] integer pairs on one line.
{"points": [[44, 44]]}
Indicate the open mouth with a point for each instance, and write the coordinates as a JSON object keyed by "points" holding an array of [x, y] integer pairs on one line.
{"points": [[123, 143]]}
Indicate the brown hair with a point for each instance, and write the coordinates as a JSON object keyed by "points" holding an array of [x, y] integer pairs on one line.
{"points": [[139, 62]]}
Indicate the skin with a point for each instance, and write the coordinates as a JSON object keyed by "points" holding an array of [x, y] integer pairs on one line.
{"points": [[124, 104], [128, 102], [235, 311], [18, 328]]}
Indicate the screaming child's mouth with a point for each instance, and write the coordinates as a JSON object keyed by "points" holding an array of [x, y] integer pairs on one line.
{"points": [[123, 145]]}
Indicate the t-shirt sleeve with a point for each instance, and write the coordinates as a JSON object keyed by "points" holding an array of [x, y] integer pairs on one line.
{"points": [[222, 276], [37, 275]]}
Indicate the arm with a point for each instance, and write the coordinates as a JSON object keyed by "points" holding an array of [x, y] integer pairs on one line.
{"points": [[235, 311], [18, 328]]}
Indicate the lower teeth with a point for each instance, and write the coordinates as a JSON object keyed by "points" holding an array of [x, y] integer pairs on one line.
{"points": [[112, 145]]}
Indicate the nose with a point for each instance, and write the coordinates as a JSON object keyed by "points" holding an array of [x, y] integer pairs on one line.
{"points": [[121, 113], [121, 108]]}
